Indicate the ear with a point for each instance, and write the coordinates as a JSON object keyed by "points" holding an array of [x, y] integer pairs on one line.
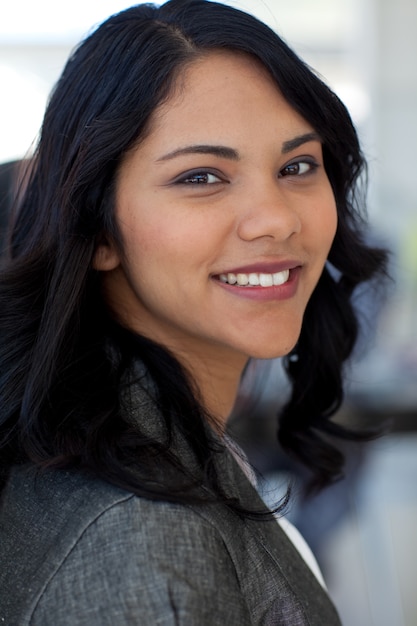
{"points": [[106, 256]]}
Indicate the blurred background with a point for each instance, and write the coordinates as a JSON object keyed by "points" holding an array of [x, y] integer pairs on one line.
{"points": [[364, 529]]}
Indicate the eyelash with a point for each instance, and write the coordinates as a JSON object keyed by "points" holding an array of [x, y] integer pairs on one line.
{"points": [[311, 163], [187, 178]]}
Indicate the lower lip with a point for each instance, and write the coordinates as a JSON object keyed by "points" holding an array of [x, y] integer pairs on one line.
{"points": [[264, 294]]}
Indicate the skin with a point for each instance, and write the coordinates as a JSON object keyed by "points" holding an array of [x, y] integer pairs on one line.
{"points": [[265, 204]]}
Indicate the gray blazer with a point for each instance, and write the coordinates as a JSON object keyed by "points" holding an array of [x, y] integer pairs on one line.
{"points": [[77, 551]]}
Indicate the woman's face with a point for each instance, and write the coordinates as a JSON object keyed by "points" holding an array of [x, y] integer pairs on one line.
{"points": [[226, 216]]}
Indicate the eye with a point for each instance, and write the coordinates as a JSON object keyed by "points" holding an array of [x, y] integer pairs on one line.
{"points": [[299, 168], [200, 177]]}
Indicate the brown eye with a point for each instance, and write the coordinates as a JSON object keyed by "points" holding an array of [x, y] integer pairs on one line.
{"points": [[298, 168], [199, 178]]}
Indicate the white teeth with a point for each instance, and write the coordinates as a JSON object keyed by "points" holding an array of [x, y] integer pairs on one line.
{"points": [[281, 277], [266, 280], [255, 280]]}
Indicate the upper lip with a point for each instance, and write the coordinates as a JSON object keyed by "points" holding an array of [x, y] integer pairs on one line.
{"points": [[271, 267]]}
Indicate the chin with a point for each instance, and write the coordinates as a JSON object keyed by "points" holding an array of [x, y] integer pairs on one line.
{"points": [[271, 351], [274, 348]]}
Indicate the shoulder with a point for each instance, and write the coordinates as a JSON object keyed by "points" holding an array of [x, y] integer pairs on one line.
{"points": [[149, 533], [101, 555]]}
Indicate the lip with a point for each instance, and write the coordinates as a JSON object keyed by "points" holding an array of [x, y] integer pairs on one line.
{"points": [[263, 294]]}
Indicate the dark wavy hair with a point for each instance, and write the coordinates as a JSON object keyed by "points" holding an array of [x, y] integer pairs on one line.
{"points": [[63, 359]]}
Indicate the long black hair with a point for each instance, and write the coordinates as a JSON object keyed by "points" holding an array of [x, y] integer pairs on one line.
{"points": [[63, 359]]}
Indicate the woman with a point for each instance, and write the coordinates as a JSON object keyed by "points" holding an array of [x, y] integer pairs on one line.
{"points": [[191, 206]]}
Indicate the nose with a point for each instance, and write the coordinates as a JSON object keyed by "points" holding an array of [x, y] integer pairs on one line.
{"points": [[267, 210]]}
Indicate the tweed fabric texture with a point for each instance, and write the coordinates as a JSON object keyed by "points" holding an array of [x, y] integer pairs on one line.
{"points": [[77, 551]]}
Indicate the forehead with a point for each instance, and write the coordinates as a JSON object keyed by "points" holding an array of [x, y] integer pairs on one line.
{"points": [[212, 73], [214, 65], [220, 90]]}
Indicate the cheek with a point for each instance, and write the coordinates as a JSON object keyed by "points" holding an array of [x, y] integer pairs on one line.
{"points": [[329, 222], [324, 222], [178, 239], [161, 250]]}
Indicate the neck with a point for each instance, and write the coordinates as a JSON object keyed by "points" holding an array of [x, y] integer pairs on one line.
{"points": [[217, 382]]}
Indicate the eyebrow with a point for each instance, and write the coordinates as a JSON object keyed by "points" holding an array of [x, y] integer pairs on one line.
{"points": [[225, 152], [220, 151], [293, 144]]}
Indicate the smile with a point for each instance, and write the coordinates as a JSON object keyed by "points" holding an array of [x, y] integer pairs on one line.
{"points": [[255, 279]]}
